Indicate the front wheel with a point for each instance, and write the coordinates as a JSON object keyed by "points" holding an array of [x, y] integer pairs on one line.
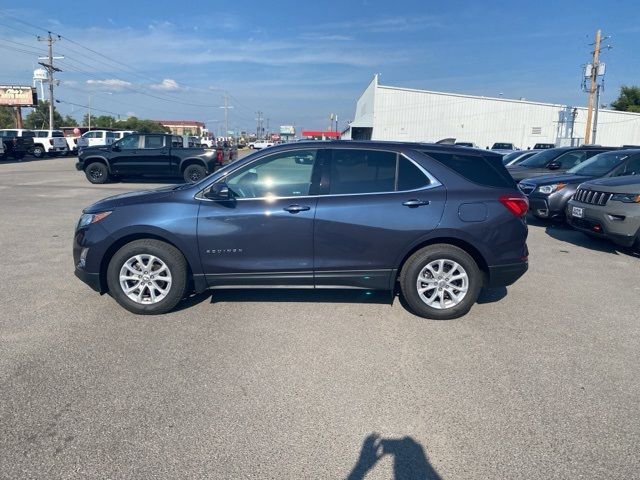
{"points": [[194, 173], [147, 277], [97, 173], [38, 151], [440, 282]]}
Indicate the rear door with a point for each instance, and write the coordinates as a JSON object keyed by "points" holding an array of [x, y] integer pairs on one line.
{"points": [[373, 205]]}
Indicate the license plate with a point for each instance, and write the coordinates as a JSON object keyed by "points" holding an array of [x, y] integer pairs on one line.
{"points": [[577, 212]]}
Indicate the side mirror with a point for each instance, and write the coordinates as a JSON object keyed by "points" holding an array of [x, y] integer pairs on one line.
{"points": [[553, 166], [115, 148], [218, 192]]}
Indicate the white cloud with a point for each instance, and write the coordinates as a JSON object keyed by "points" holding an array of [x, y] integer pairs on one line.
{"points": [[167, 84], [110, 83]]}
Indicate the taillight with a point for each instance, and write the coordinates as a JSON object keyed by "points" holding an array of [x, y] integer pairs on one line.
{"points": [[51, 142], [515, 204], [219, 156]]}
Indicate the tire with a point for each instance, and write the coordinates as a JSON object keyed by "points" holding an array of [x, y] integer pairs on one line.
{"points": [[38, 151], [440, 292], [194, 173], [165, 255], [97, 173]]}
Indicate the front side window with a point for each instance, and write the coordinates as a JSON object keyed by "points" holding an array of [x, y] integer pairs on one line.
{"points": [[600, 164], [632, 167], [362, 171], [153, 141], [130, 142], [571, 159], [286, 174]]}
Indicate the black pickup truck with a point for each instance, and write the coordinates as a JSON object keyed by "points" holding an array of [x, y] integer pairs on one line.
{"points": [[157, 155], [17, 142]]}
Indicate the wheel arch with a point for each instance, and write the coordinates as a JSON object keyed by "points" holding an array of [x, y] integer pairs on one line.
{"points": [[88, 161], [193, 265], [463, 244], [192, 161]]}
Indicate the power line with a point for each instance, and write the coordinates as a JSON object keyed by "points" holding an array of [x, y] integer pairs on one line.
{"points": [[87, 107], [50, 69]]}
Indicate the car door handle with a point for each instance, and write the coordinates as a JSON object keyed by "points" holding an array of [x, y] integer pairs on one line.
{"points": [[296, 208], [415, 203]]}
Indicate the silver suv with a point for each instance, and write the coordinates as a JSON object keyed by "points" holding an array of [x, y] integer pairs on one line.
{"points": [[608, 208]]}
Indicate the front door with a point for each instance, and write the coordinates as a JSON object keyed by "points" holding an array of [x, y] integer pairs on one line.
{"points": [[263, 236], [378, 203]]}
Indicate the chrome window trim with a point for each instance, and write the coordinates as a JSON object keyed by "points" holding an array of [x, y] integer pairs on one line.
{"points": [[433, 182]]}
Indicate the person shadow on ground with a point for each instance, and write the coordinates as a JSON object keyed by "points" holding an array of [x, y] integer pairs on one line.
{"points": [[409, 459]]}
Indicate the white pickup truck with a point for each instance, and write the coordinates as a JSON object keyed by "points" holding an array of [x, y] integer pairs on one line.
{"points": [[49, 142], [96, 138], [260, 144]]}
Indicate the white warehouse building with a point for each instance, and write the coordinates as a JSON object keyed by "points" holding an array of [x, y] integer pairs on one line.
{"points": [[405, 114]]}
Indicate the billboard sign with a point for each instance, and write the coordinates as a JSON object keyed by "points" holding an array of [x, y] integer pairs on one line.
{"points": [[287, 130], [18, 96]]}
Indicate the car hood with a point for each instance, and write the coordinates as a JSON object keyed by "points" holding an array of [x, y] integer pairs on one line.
{"points": [[551, 179], [627, 184], [131, 198]]}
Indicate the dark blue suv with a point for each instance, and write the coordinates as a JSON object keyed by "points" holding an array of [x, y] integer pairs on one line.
{"points": [[439, 221]]}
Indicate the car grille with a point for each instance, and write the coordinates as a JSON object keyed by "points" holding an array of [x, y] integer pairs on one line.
{"points": [[526, 188], [592, 197]]}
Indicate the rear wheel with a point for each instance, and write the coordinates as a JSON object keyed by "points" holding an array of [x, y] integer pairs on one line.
{"points": [[147, 277], [194, 173], [97, 172], [38, 151], [440, 282]]}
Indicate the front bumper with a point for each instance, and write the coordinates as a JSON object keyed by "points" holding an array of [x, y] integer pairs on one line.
{"points": [[610, 221], [80, 166], [91, 279]]}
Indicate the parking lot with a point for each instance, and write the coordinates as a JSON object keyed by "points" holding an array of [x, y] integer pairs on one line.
{"points": [[540, 380]]}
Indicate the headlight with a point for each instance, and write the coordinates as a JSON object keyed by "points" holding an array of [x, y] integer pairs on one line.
{"points": [[89, 218], [547, 189], [626, 197]]}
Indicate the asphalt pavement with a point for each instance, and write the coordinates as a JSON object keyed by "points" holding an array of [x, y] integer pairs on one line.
{"points": [[540, 380]]}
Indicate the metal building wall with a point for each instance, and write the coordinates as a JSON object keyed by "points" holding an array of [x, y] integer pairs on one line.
{"points": [[418, 115]]}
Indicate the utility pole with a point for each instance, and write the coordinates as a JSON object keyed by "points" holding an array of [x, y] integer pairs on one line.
{"points": [[595, 117], [226, 107], [574, 114], [50, 69], [259, 125], [268, 131]]}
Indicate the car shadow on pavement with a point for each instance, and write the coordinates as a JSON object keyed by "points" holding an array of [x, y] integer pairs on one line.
{"points": [[155, 180], [565, 233], [301, 295], [409, 459]]}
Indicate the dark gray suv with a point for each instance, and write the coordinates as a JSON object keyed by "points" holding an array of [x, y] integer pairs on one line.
{"points": [[437, 221]]}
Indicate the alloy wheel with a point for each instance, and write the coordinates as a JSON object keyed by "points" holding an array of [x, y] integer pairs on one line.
{"points": [[145, 279], [442, 284]]}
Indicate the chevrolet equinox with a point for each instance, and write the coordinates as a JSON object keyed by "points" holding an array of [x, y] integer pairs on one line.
{"points": [[438, 221]]}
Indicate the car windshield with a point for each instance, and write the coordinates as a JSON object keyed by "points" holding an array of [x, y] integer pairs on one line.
{"points": [[512, 156], [599, 165], [502, 146], [541, 159]]}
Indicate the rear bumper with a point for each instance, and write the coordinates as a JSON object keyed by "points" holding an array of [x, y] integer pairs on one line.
{"points": [[503, 275]]}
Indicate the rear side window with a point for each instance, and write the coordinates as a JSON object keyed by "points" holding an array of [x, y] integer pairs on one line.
{"points": [[362, 171], [153, 141], [410, 177], [487, 171], [28, 134], [57, 133]]}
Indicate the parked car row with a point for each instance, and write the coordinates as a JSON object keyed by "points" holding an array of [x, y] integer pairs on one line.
{"points": [[595, 189]]}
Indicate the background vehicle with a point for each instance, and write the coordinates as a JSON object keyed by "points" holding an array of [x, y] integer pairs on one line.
{"points": [[17, 142], [544, 146], [258, 144], [608, 208], [1, 150], [467, 144], [146, 154], [503, 147], [518, 156], [49, 142], [438, 221], [96, 138], [549, 194], [122, 133], [555, 160]]}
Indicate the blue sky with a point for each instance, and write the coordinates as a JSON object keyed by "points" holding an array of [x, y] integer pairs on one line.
{"points": [[300, 61]]}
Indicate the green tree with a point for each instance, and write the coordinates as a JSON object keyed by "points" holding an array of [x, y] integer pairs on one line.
{"points": [[142, 126], [7, 117], [69, 121], [629, 99], [101, 121], [38, 119]]}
